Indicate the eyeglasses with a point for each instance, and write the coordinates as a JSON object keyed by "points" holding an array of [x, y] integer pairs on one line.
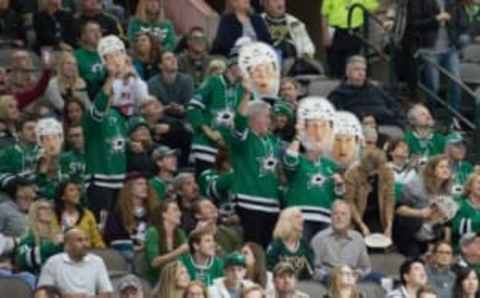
{"points": [[444, 252]]}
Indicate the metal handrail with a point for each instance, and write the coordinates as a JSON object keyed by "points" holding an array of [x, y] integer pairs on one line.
{"points": [[441, 69]]}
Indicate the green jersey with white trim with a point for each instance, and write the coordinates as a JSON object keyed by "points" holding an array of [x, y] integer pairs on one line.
{"points": [[214, 104], [461, 170], [72, 164], [105, 131], [254, 161], [204, 273], [425, 147], [310, 186], [466, 220], [18, 160]]}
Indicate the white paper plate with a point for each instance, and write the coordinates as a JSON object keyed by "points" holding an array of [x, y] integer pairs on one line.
{"points": [[378, 241]]}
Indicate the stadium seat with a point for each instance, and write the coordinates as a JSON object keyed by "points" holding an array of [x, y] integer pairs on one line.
{"points": [[312, 288], [470, 73], [14, 287], [140, 265], [322, 88], [388, 263], [471, 53], [116, 264]]}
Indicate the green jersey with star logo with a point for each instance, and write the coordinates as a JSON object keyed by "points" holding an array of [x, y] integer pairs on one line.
{"points": [[310, 185], [214, 104], [105, 131], [425, 147], [72, 164], [467, 219], [18, 160], [301, 259], [254, 160]]}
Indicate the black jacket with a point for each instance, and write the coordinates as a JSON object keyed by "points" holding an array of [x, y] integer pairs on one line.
{"points": [[53, 29], [368, 100], [423, 26], [230, 29]]}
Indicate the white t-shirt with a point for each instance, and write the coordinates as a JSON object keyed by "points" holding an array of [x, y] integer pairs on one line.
{"points": [[88, 276]]}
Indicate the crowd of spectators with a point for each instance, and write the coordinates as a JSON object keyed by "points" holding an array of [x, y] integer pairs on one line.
{"points": [[167, 155]]}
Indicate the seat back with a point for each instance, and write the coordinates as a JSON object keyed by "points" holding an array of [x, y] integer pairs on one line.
{"points": [[116, 264], [140, 266], [14, 287], [322, 88]]}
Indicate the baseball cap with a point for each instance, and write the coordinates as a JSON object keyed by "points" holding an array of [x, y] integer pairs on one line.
{"points": [[455, 138], [283, 267], [129, 281], [234, 259], [163, 151]]}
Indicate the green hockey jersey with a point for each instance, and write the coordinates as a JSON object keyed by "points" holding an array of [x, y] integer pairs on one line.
{"points": [[301, 259], [162, 30], [255, 164], [310, 186], [427, 147], [72, 165], [18, 160], [91, 69], [160, 187], [213, 104], [207, 273], [460, 173], [30, 256], [105, 131], [466, 220]]}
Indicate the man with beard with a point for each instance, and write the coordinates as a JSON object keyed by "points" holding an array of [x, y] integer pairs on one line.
{"points": [[75, 271]]}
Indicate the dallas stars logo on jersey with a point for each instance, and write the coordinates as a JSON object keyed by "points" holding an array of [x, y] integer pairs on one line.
{"points": [[118, 144], [268, 165], [316, 180], [225, 118]]}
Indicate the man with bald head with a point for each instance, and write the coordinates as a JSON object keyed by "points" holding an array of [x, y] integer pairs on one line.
{"points": [[76, 272]]}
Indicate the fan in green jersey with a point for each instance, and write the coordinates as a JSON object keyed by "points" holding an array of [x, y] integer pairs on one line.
{"points": [[467, 219], [423, 141], [313, 181], [456, 150], [202, 263]]}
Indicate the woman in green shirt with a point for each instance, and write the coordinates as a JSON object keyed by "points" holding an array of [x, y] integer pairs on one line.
{"points": [[149, 18], [288, 245], [165, 241]]}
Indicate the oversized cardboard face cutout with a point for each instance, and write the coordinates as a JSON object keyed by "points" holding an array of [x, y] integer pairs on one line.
{"points": [[315, 118], [259, 64], [49, 134], [348, 138], [113, 54]]}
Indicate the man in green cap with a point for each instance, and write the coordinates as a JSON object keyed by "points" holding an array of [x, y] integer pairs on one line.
{"points": [[165, 160], [234, 281], [456, 151]]}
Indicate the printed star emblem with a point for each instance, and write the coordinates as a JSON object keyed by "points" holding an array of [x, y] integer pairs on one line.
{"points": [[268, 165], [317, 180], [457, 189], [225, 118]]}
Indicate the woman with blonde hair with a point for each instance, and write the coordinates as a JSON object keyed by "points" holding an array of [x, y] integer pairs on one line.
{"points": [[42, 240], [173, 281], [67, 84], [126, 225], [343, 283], [420, 219], [196, 289], [467, 219], [288, 244], [149, 17]]}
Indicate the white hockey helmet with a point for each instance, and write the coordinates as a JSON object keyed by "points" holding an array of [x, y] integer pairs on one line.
{"points": [[110, 44], [346, 123], [48, 127], [315, 108], [256, 53]]}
